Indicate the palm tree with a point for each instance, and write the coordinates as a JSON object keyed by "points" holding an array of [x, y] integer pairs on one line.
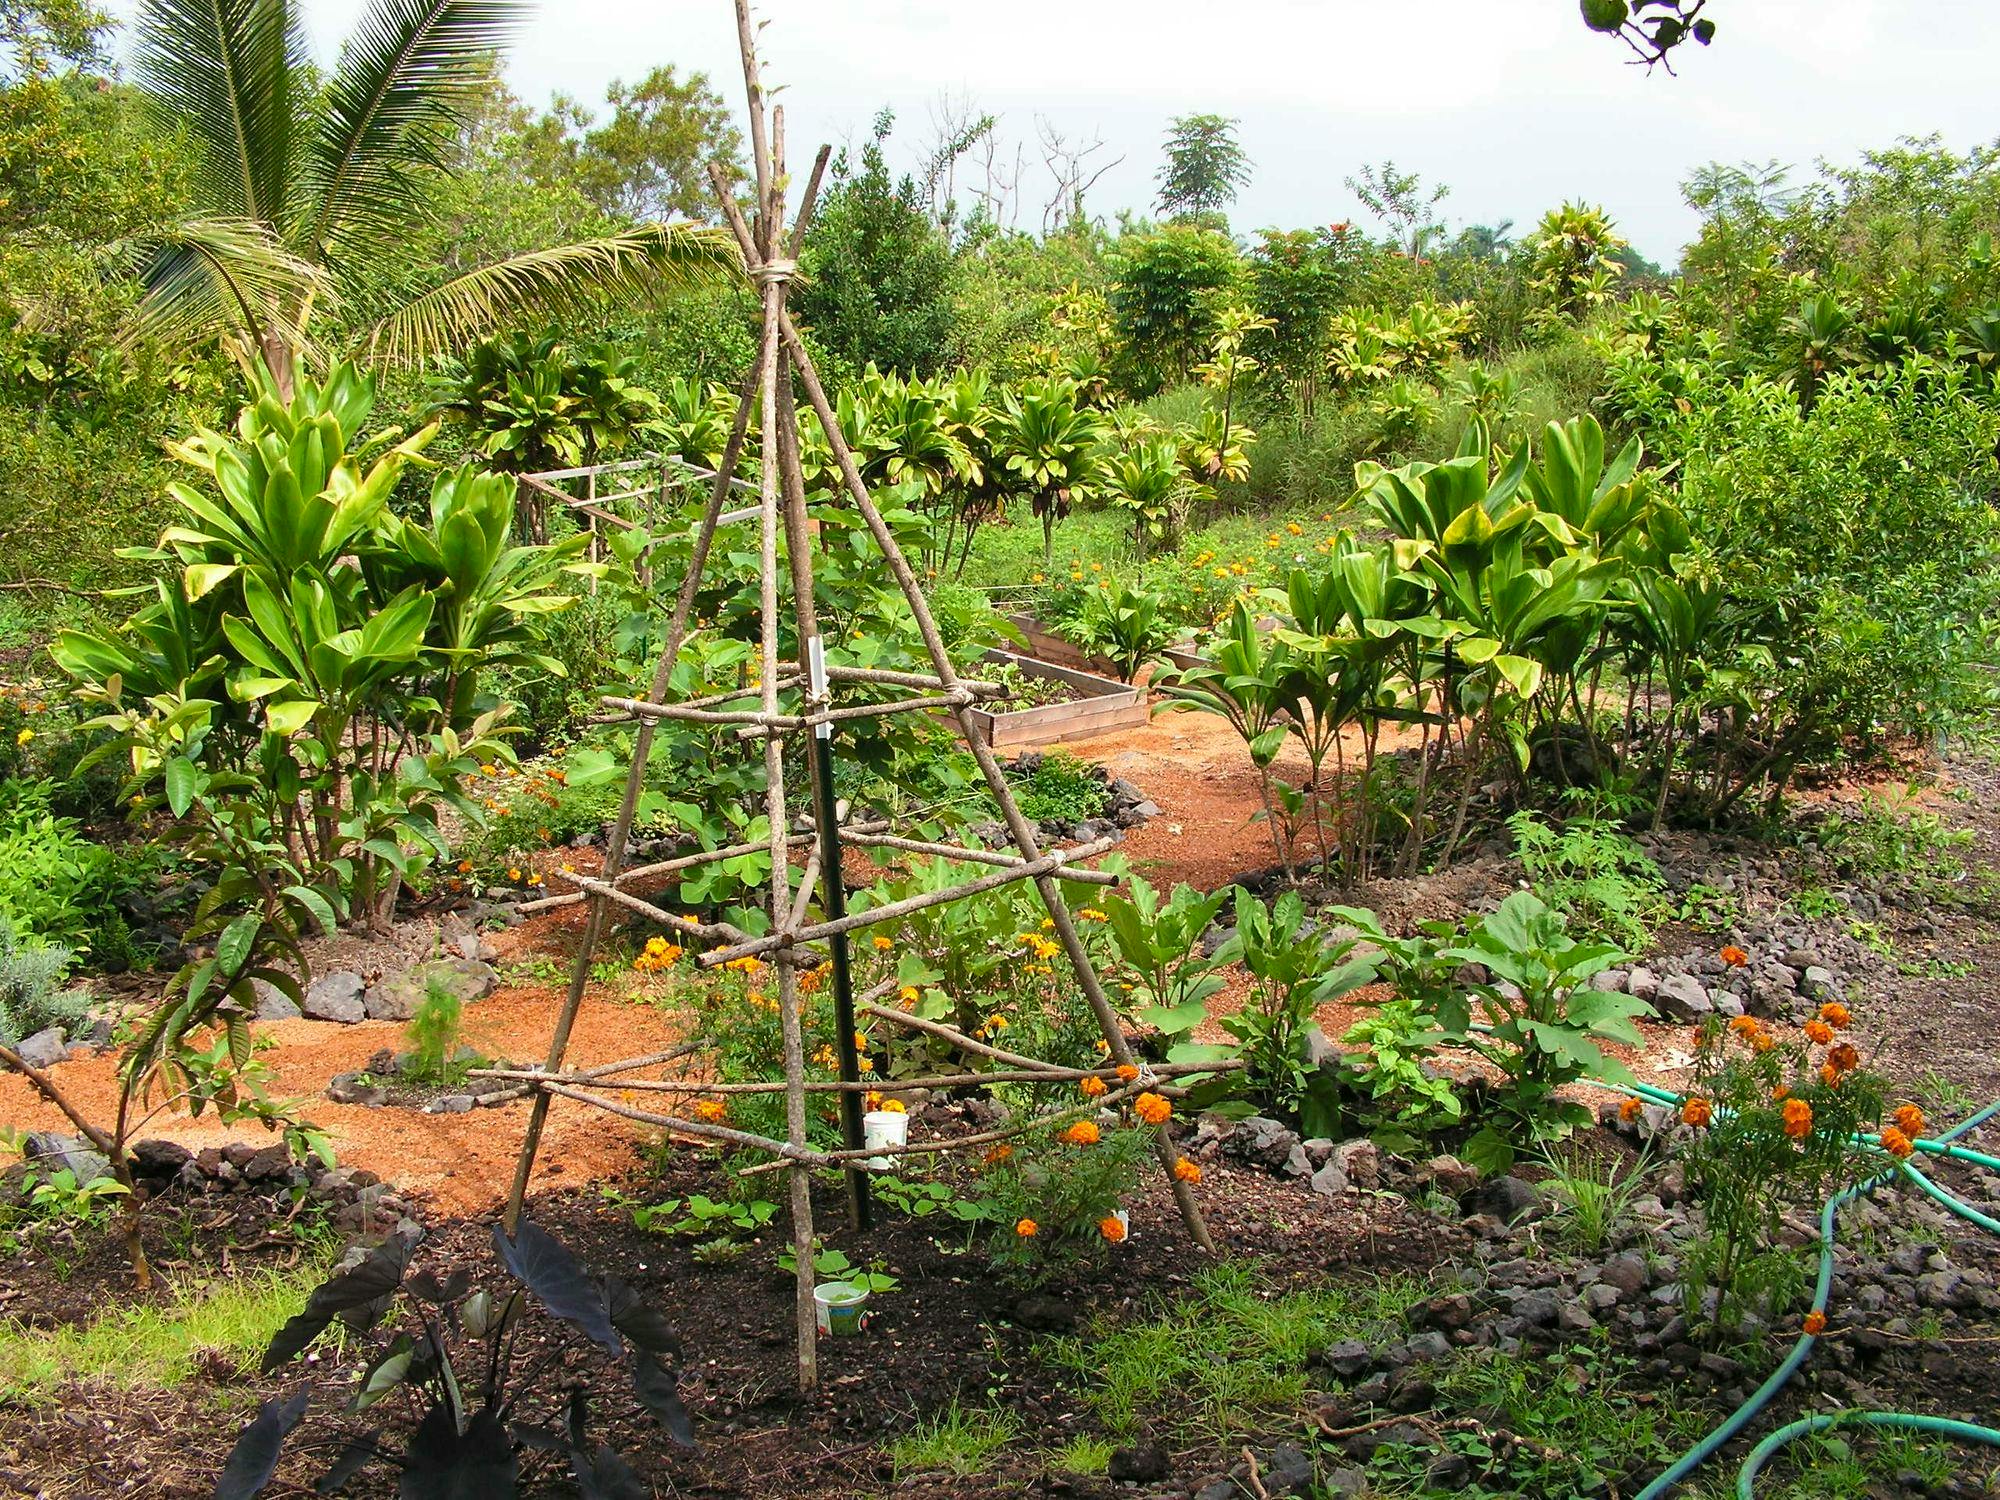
{"points": [[296, 182]]}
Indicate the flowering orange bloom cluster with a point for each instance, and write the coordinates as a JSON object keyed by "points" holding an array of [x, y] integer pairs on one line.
{"points": [[659, 954], [1093, 1087], [1186, 1171], [1082, 1133], [1112, 1228], [1152, 1108], [1798, 1119], [710, 1110]]}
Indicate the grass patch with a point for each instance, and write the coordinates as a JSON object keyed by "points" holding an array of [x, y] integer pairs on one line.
{"points": [[161, 1345], [955, 1441], [1227, 1354], [1084, 1455], [1844, 1466]]}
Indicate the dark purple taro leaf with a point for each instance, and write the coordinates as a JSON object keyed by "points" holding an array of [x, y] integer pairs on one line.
{"points": [[254, 1458], [355, 1457], [372, 1282], [645, 1325], [566, 1290], [659, 1388], [606, 1476]]}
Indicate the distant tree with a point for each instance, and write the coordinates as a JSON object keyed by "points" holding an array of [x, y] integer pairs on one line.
{"points": [[1402, 203], [649, 161], [880, 276], [1170, 284], [42, 36], [1298, 279], [1484, 241], [1205, 167]]}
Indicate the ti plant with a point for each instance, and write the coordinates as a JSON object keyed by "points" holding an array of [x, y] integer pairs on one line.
{"points": [[1159, 946], [455, 1364]]}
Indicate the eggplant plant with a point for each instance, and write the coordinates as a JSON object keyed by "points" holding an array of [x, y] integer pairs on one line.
{"points": [[456, 1363]]}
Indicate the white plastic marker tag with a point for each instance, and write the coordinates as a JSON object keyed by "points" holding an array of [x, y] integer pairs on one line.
{"points": [[816, 682]]}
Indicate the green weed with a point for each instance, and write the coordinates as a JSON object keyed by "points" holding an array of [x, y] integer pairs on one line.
{"points": [[955, 1441]]}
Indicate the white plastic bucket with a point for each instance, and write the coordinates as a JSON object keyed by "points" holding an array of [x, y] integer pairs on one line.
{"points": [[884, 1127], [840, 1308]]}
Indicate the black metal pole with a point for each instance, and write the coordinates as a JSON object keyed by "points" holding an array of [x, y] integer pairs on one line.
{"points": [[833, 897]]}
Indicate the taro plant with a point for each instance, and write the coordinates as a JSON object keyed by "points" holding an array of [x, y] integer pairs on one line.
{"points": [[1127, 626], [458, 1351]]}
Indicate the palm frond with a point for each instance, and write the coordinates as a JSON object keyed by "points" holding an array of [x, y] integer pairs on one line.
{"points": [[206, 278], [638, 265], [232, 72], [405, 76]]}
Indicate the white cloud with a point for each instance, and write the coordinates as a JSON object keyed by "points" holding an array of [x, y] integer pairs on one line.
{"points": [[1511, 102]]}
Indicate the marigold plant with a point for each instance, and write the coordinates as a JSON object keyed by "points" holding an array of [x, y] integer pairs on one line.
{"points": [[1776, 1120], [1068, 1184]]}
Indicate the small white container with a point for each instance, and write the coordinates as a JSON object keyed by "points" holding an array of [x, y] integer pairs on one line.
{"points": [[840, 1309], [884, 1127]]}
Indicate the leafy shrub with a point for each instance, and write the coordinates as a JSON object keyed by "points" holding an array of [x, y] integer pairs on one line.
{"points": [[1127, 626], [1058, 788], [1592, 872], [435, 1032], [55, 883], [30, 995]]}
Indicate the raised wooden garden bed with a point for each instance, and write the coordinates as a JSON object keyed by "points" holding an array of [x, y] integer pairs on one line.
{"points": [[1045, 645], [1097, 705]]}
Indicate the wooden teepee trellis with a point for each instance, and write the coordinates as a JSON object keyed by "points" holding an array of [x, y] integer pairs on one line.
{"points": [[768, 249]]}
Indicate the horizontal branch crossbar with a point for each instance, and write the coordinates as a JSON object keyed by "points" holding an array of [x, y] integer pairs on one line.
{"points": [[1048, 864], [866, 840], [712, 931]]}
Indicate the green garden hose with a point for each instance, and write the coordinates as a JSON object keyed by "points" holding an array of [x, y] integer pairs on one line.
{"points": [[1964, 1432], [1737, 1420]]}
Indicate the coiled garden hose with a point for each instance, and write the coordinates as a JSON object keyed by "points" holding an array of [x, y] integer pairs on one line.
{"points": [[1737, 1420]]}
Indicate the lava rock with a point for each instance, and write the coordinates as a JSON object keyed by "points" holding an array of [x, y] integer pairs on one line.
{"points": [[1142, 1463], [1347, 1359], [45, 1048], [336, 997], [1450, 1176], [49, 1151], [397, 998], [1507, 1198], [1043, 1313], [1361, 1160], [273, 1004], [350, 1088], [1683, 997]]}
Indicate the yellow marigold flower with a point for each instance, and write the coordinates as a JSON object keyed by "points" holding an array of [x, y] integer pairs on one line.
{"points": [[824, 1056], [907, 994], [1082, 1133], [1295, 528], [1112, 1228], [1697, 1112], [1910, 1120], [748, 965], [872, 1099], [895, 1107], [1152, 1108], [1092, 1086], [1027, 1229], [1126, 1071], [1762, 1041], [1798, 1119], [1836, 1015], [996, 1023], [883, 944], [1896, 1143], [1815, 1323], [656, 945], [24, 736], [710, 1110], [514, 874], [1186, 1171], [1629, 1110], [1090, 914], [1818, 1032], [864, 1063]]}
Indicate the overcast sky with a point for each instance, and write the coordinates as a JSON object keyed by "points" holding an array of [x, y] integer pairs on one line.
{"points": [[1511, 102]]}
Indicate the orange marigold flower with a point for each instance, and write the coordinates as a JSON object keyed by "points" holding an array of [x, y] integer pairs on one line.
{"points": [[883, 944], [1734, 956], [1112, 1228], [1092, 1086], [1762, 1041], [1027, 1229], [1896, 1143], [1629, 1110], [1815, 1323], [1836, 1015], [998, 1152], [1829, 1074], [1819, 1032], [1697, 1112], [1798, 1119], [1910, 1120], [895, 1107], [1152, 1108], [1746, 1025], [711, 1110], [1082, 1133], [1126, 1072], [1843, 1058], [1186, 1171], [872, 1099]]}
